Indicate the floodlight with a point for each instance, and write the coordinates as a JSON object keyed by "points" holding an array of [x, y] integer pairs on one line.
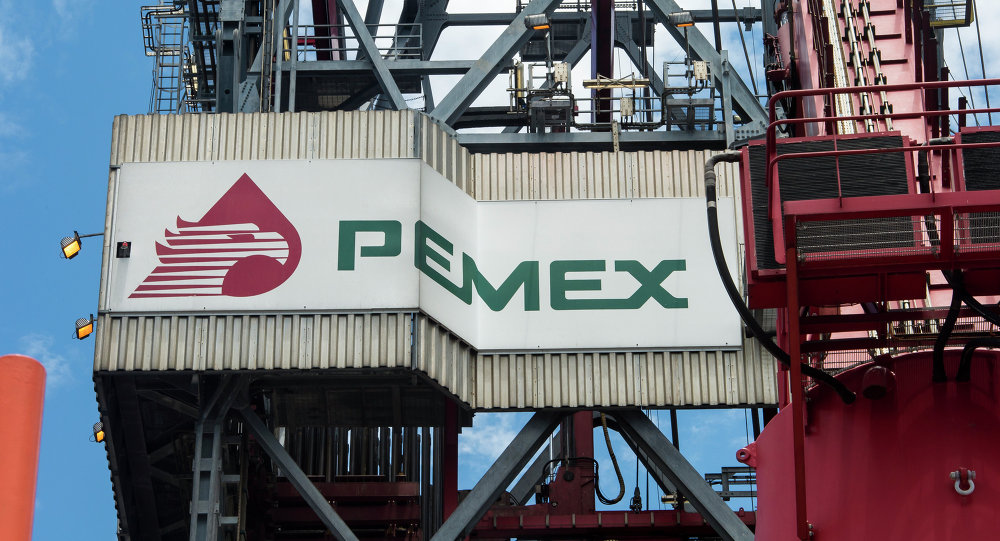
{"points": [[84, 327], [71, 245], [681, 19], [537, 22], [98, 432]]}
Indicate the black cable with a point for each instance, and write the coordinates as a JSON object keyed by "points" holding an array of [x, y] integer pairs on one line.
{"points": [[965, 366], [734, 295], [743, 40], [949, 324], [969, 300]]}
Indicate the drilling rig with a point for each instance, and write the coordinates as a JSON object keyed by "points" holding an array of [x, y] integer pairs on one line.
{"points": [[318, 268]]}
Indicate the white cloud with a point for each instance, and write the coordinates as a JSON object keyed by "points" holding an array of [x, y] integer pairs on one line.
{"points": [[70, 11], [489, 435], [57, 368], [7, 126], [16, 52]]}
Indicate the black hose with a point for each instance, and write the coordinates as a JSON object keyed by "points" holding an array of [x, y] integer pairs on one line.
{"points": [[969, 300], [949, 324], [965, 365], [734, 295]]}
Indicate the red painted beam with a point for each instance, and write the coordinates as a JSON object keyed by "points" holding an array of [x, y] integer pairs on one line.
{"points": [[535, 522]]}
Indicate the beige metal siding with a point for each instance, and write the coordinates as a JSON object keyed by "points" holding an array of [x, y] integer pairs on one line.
{"points": [[322, 341], [597, 175], [252, 342]]}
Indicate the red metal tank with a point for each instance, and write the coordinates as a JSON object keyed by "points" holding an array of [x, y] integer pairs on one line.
{"points": [[880, 468], [21, 421]]}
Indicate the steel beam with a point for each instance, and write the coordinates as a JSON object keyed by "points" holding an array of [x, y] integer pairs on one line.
{"points": [[591, 141], [499, 476], [141, 517], [313, 497], [525, 486], [206, 479], [680, 472], [748, 14], [398, 67], [470, 86], [743, 99], [367, 45]]}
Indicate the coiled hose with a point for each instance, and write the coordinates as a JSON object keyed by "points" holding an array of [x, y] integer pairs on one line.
{"points": [[734, 295]]}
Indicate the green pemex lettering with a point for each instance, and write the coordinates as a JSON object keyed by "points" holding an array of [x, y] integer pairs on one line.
{"points": [[349, 229], [525, 275]]}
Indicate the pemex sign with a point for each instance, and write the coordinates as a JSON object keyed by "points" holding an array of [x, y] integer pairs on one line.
{"points": [[394, 235]]}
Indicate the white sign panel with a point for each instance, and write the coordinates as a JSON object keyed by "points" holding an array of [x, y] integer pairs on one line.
{"points": [[394, 235]]}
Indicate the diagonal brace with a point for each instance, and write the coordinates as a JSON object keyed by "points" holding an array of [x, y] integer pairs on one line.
{"points": [[382, 75], [472, 84], [681, 474], [499, 476], [744, 100], [297, 477]]}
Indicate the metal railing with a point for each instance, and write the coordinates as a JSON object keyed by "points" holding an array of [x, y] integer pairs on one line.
{"points": [[316, 42]]}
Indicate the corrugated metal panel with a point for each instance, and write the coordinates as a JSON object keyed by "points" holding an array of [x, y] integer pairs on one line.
{"points": [[264, 136], [444, 357], [317, 341], [252, 342], [688, 378], [597, 175]]}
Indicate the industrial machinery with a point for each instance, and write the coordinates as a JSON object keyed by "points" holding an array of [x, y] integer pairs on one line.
{"points": [[316, 274]]}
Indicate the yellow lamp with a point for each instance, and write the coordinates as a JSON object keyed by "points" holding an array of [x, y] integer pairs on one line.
{"points": [[98, 432], [71, 245], [84, 327]]}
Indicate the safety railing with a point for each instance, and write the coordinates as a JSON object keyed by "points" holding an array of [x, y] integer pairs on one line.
{"points": [[772, 179], [314, 42]]}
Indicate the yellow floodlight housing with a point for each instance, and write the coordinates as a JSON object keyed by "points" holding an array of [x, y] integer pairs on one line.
{"points": [[84, 327], [71, 245]]}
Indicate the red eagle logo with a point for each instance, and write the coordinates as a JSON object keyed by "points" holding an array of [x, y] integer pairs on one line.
{"points": [[243, 246]]}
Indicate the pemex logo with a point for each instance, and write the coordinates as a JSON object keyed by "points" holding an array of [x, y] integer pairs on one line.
{"points": [[243, 246]]}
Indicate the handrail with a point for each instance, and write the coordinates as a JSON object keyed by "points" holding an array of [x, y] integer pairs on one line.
{"points": [[772, 181]]}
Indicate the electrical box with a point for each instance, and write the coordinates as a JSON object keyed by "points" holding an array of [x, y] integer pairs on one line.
{"points": [[561, 73], [627, 106], [700, 70]]}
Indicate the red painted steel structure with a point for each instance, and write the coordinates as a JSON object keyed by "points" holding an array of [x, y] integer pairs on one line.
{"points": [[21, 419], [879, 469]]}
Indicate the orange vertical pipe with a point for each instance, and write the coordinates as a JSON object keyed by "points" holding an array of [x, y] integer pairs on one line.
{"points": [[21, 398]]}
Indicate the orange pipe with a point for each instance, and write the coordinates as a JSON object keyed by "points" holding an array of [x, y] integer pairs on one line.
{"points": [[21, 399]]}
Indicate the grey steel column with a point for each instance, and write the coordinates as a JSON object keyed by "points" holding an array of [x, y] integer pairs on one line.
{"points": [[680, 472], [206, 481], [501, 473]]}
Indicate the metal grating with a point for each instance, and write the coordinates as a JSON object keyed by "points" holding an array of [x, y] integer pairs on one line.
{"points": [[816, 178], [864, 238]]}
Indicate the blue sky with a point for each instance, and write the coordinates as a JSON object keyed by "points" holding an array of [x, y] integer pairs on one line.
{"points": [[66, 68]]}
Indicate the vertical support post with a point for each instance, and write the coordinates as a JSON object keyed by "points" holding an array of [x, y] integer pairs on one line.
{"points": [[794, 351], [449, 481], [602, 45], [723, 77], [294, 58], [206, 480]]}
